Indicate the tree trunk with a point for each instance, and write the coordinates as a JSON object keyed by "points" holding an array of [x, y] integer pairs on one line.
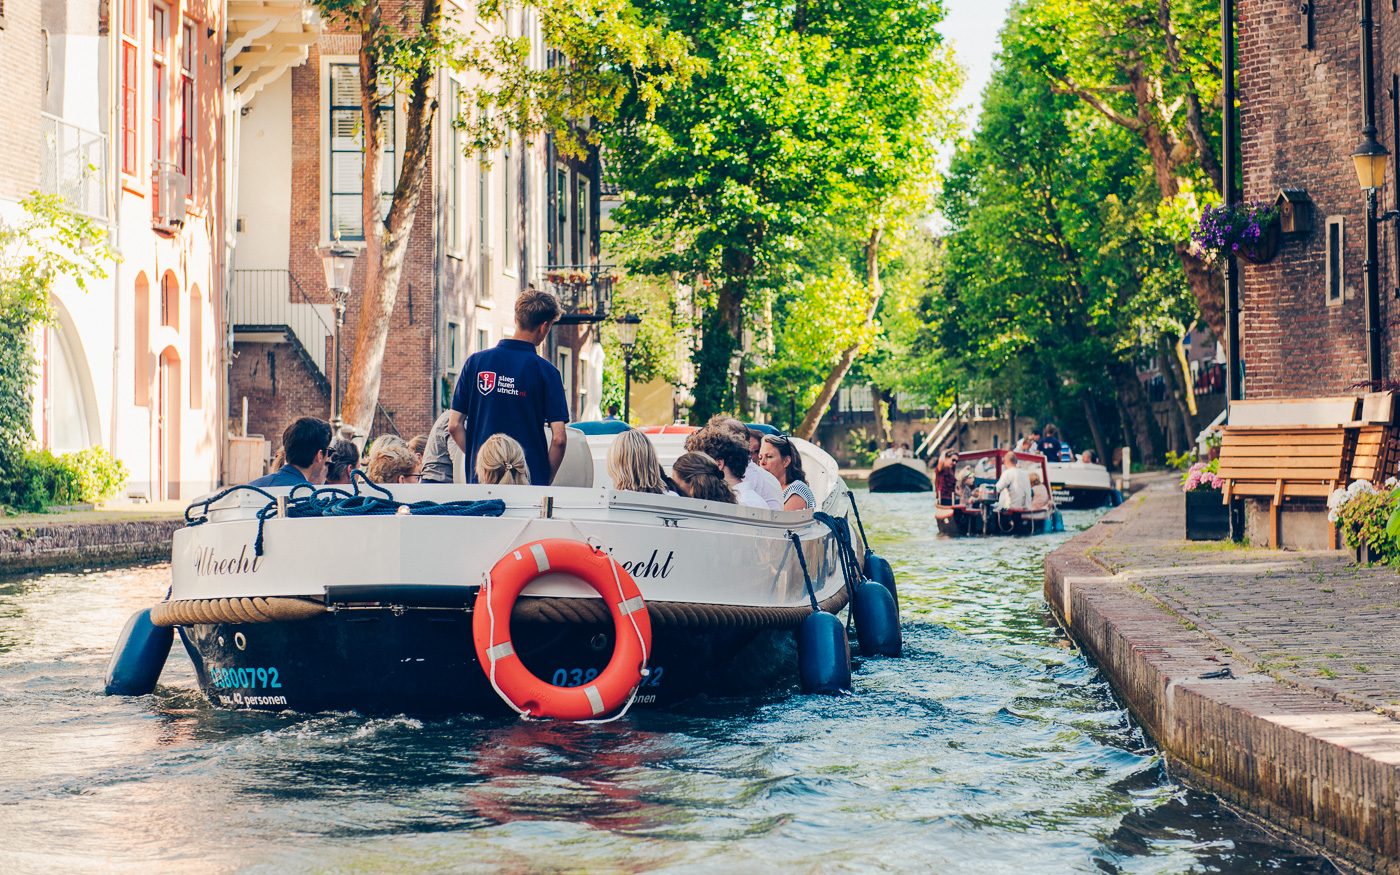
{"points": [[1146, 435], [1166, 358], [814, 414], [386, 239], [882, 425], [1091, 413]]}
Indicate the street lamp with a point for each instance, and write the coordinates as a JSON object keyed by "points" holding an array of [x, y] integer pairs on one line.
{"points": [[627, 336], [1370, 160], [338, 261]]}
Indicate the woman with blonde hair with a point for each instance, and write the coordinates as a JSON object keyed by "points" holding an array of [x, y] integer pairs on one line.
{"points": [[699, 476], [501, 459], [633, 466]]}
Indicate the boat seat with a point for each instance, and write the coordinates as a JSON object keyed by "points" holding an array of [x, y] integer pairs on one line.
{"points": [[577, 467]]}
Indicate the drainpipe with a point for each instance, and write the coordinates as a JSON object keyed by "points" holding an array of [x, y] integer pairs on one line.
{"points": [[1234, 375]]}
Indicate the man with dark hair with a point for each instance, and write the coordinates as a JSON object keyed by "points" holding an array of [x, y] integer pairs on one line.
{"points": [[762, 483], [307, 443], [612, 416], [731, 453], [511, 390]]}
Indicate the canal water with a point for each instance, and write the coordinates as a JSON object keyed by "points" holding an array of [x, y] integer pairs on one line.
{"points": [[992, 748]]}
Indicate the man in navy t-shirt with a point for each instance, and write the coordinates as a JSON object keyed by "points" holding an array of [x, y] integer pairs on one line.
{"points": [[511, 390]]}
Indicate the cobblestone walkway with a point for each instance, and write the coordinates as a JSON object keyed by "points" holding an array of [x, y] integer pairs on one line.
{"points": [[1314, 620]]}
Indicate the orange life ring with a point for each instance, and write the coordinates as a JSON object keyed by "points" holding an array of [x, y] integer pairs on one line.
{"points": [[669, 429], [512, 680]]}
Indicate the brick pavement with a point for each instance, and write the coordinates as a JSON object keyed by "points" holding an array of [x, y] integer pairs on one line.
{"points": [[1302, 731], [1313, 619]]}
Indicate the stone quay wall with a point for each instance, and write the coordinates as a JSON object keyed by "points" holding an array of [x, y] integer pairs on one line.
{"points": [[60, 545], [1298, 731]]}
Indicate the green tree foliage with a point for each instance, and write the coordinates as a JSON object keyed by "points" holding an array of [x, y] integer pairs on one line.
{"points": [[805, 117], [1150, 67], [47, 242], [601, 51], [1055, 272]]}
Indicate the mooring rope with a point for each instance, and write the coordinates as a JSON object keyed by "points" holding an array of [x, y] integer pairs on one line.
{"points": [[331, 501]]}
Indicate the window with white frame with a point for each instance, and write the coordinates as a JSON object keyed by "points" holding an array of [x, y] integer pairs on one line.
{"points": [[585, 245], [566, 371], [454, 186], [188, 52], [131, 78], [347, 150], [483, 339], [561, 215], [1336, 265], [510, 171], [454, 344], [486, 266]]}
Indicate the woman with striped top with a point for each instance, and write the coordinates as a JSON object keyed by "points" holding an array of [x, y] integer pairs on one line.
{"points": [[780, 458]]}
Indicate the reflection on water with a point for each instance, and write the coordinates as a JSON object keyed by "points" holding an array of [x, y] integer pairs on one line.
{"points": [[991, 748]]}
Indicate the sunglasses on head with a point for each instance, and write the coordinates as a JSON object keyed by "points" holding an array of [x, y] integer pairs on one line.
{"points": [[779, 438]]}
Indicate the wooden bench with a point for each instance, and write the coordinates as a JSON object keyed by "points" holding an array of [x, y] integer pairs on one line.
{"points": [[1296, 448]]}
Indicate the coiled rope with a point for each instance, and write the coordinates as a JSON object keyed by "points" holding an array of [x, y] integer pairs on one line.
{"points": [[330, 501]]}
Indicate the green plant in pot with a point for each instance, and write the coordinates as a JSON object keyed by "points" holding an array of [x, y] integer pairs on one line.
{"points": [[1369, 520]]}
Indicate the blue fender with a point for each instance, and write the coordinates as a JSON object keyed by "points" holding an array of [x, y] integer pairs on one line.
{"points": [[1115, 498], [139, 656], [877, 620], [878, 570], [823, 655]]}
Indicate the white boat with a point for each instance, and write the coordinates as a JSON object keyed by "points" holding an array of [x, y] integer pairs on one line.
{"points": [[900, 474], [1081, 484], [384, 613]]}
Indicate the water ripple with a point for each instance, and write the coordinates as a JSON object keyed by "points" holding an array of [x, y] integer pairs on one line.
{"points": [[992, 748]]}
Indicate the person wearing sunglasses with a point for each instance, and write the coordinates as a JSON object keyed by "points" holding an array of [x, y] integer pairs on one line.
{"points": [[945, 480], [780, 458]]}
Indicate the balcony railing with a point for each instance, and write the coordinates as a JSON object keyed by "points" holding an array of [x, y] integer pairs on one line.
{"points": [[272, 301], [73, 165], [585, 290]]}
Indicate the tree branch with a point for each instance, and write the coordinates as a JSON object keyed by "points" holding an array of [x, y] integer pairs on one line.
{"points": [[1066, 86]]}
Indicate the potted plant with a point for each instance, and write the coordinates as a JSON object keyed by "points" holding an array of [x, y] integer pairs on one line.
{"points": [[1249, 231], [1207, 515], [1367, 518]]}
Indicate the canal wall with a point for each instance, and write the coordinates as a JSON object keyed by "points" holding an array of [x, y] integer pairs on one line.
{"points": [[37, 546], [1268, 677]]}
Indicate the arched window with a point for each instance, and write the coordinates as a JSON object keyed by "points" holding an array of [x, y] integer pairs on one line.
{"points": [[170, 301], [142, 353], [196, 355]]}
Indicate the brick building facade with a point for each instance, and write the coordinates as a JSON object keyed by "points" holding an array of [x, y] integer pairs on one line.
{"points": [[1303, 323], [486, 227]]}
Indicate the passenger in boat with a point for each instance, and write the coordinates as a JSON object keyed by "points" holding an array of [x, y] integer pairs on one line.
{"points": [[418, 444], [633, 466], [1089, 457], [967, 486], [1013, 486], [731, 453], [510, 389], [757, 479], [340, 466], [395, 463], [699, 476], [945, 483], [782, 460], [1040, 496], [502, 460], [440, 452], [306, 443], [612, 416], [1050, 445], [380, 444]]}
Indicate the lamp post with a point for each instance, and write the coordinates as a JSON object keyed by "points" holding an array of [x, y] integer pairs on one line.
{"points": [[1370, 160], [338, 261], [627, 336]]}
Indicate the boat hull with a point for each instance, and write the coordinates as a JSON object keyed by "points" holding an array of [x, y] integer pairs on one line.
{"points": [[423, 662], [900, 475], [1080, 485], [960, 522]]}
